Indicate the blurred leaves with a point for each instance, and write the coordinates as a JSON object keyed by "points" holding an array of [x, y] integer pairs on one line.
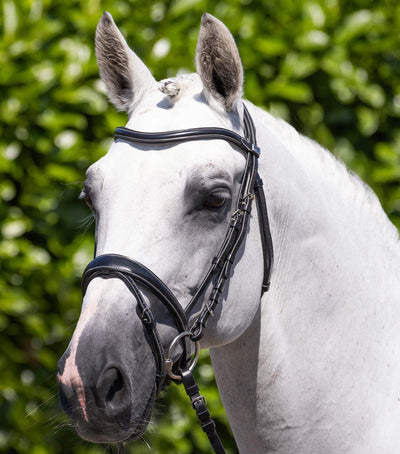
{"points": [[331, 68]]}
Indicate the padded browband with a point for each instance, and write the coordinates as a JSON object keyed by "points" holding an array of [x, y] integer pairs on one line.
{"points": [[186, 135]]}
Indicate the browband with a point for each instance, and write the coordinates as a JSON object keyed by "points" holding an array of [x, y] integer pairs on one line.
{"points": [[186, 135]]}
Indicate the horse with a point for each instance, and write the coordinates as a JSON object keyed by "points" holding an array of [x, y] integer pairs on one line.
{"points": [[310, 366]]}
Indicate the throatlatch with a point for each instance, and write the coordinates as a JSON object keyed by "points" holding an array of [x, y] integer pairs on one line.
{"points": [[135, 275]]}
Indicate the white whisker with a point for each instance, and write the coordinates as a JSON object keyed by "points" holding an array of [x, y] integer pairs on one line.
{"points": [[86, 223], [40, 405]]}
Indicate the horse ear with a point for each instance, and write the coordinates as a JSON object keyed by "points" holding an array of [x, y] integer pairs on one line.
{"points": [[218, 62], [126, 77]]}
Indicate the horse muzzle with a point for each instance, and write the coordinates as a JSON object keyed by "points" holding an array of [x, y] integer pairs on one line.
{"points": [[107, 376], [103, 412]]}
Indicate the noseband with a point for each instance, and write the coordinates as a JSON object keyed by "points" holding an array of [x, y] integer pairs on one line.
{"points": [[136, 276]]}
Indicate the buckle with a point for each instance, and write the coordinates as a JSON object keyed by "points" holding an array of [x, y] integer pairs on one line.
{"points": [[246, 200], [209, 308], [146, 315], [235, 217], [198, 399]]}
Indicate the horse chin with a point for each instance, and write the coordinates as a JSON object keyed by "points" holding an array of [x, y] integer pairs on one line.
{"points": [[99, 428], [142, 426]]}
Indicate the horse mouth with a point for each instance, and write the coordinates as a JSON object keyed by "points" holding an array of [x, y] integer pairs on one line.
{"points": [[103, 428]]}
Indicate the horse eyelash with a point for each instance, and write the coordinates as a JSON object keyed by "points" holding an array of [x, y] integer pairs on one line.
{"points": [[85, 195]]}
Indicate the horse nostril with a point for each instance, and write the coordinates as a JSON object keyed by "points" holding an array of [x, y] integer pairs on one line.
{"points": [[111, 392], [117, 383]]}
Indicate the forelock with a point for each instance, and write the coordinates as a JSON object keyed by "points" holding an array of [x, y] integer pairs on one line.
{"points": [[176, 88]]}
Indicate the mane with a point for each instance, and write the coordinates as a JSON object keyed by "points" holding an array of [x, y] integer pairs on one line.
{"points": [[322, 164]]}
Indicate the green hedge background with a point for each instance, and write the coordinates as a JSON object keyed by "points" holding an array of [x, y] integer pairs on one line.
{"points": [[329, 67]]}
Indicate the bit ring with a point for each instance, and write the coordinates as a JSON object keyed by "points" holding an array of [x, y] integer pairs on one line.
{"points": [[168, 360]]}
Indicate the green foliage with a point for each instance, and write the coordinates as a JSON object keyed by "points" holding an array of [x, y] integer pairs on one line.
{"points": [[329, 67]]}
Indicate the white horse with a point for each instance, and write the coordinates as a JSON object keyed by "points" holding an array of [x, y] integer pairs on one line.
{"points": [[311, 367]]}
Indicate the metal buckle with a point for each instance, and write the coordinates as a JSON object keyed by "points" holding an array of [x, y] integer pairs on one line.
{"points": [[235, 217], [168, 361], [242, 206], [209, 308], [198, 399], [146, 315], [246, 199], [249, 195]]}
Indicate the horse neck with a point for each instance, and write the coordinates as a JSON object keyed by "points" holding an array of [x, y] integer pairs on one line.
{"points": [[329, 228], [334, 292]]}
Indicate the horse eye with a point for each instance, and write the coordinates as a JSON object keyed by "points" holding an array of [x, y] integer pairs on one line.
{"points": [[85, 196], [88, 201], [215, 201]]}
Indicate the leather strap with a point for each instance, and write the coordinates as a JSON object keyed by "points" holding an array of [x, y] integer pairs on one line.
{"points": [[265, 233], [226, 256], [186, 135], [108, 265], [199, 405]]}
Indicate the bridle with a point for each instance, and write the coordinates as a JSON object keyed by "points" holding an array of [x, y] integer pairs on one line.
{"points": [[136, 275]]}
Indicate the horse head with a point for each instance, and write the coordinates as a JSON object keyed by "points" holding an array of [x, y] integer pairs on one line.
{"points": [[167, 207]]}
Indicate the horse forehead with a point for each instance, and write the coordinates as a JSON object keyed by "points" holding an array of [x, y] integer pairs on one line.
{"points": [[128, 166], [158, 114]]}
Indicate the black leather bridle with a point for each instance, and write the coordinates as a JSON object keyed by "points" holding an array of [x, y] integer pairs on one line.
{"points": [[135, 275]]}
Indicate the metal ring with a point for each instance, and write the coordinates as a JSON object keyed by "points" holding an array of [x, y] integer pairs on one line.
{"points": [[168, 361]]}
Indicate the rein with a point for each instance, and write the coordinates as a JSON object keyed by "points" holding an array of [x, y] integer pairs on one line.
{"points": [[135, 275]]}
